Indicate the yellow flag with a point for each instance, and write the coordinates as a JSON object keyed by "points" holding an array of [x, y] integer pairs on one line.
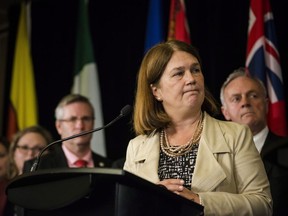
{"points": [[23, 93]]}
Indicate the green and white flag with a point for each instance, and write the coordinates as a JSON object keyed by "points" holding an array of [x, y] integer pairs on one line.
{"points": [[86, 76]]}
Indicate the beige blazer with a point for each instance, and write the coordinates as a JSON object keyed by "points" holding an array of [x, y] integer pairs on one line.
{"points": [[229, 175]]}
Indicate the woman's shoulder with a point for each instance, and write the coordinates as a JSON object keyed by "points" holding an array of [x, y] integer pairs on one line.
{"points": [[144, 137], [233, 134], [139, 138], [225, 123], [229, 127], [144, 141]]}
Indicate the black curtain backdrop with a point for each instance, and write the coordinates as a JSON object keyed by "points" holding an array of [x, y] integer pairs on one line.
{"points": [[218, 29]]}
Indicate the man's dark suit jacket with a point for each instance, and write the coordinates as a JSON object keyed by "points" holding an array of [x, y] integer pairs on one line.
{"points": [[275, 158], [57, 159]]}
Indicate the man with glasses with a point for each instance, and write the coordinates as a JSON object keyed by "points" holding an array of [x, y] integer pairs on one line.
{"points": [[74, 114]]}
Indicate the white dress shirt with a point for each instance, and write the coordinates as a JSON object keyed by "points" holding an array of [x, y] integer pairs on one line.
{"points": [[260, 138]]}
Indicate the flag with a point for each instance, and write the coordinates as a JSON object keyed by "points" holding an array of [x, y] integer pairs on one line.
{"points": [[263, 61], [154, 27], [22, 111], [86, 76], [178, 25]]}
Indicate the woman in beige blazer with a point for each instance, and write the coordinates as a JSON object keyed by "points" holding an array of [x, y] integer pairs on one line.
{"points": [[180, 146]]}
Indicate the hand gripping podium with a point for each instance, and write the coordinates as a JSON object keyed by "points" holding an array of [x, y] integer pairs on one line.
{"points": [[95, 191]]}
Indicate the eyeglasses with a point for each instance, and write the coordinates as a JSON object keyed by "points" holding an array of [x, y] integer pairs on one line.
{"points": [[74, 120], [24, 149]]}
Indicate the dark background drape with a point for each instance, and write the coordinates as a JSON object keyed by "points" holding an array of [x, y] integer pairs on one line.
{"points": [[218, 28]]}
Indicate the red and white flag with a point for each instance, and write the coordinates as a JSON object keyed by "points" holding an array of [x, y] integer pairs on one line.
{"points": [[263, 61]]}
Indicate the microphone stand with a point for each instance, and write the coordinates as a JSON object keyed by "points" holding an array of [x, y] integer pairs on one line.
{"points": [[124, 111]]}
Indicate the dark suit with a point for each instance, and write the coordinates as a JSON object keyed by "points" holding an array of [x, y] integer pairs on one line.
{"points": [[57, 159], [119, 164], [275, 158]]}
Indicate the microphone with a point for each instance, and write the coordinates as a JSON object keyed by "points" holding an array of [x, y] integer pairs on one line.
{"points": [[124, 111]]}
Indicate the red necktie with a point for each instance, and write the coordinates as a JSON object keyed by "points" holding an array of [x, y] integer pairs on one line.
{"points": [[81, 163]]}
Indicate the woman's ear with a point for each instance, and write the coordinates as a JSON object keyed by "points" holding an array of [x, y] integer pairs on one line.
{"points": [[155, 92]]}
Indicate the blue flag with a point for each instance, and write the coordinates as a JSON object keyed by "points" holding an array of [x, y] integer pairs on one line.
{"points": [[154, 28]]}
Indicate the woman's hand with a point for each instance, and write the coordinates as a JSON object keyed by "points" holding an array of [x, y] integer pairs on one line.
{"points": [[176, 186]]}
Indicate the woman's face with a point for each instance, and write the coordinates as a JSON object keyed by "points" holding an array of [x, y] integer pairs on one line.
{"points": [[28, 147], [3, 160], [181, 87]]}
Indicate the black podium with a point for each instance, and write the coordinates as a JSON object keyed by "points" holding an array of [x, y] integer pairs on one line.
{"points": [[95, 191]]}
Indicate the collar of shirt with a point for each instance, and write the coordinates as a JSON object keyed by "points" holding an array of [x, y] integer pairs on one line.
{"points": [[71, 158], [260, 138]]}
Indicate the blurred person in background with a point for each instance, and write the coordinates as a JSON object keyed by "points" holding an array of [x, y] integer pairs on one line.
{"points": [[74, 114], [5, 207], [26, 144], [244, 100]]}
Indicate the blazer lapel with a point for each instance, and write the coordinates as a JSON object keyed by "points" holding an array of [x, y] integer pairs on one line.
{"points": [[208, 173]]}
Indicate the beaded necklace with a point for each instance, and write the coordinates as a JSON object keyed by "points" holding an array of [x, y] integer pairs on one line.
{"points": [[174, 151]]}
